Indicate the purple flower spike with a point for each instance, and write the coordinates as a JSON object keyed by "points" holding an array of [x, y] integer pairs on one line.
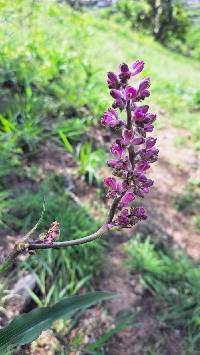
{"points": [[133, 151]]}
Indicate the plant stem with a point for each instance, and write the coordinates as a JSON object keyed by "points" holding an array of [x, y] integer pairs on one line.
{"points": [[131, 151], [128, 111], [114, 207], [58, 245]]}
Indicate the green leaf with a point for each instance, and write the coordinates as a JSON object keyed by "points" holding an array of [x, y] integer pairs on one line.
{"points": [[66, 143], [27, 327]]}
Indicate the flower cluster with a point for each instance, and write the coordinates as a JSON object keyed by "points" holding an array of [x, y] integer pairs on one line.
{"points": [[133, 152]]}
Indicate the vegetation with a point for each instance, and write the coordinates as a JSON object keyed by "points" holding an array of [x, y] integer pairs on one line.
{"points": [[174, 279], [52, 90], [165, 20], [188, 202]]}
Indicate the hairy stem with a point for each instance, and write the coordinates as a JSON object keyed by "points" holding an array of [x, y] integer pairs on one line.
{"points": [[128, 111], [131, 151], [114, 207]]}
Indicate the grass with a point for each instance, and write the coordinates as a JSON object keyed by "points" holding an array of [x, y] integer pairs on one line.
{"points": [[189, 202], [70, 53], [174, 280]]}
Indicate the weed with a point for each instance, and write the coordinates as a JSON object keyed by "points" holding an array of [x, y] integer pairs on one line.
{"points": [[90, 161], [174, 278]]}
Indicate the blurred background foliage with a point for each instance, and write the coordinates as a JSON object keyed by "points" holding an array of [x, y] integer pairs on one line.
{"points": [[54, 56]]}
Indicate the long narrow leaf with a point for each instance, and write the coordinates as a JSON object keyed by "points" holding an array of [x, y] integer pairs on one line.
{"points": [[27, 327]]}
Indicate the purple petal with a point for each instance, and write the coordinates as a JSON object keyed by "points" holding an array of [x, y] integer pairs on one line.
{"points": [[116, 94], [150, 142], [117, 150], [139, 212], [148, 183], [124, 68], [110, 118], [127, 135], [112, 80], [130, 93], [123, 217], [113, 163], [126, 199], [148, 128], [138, 141], [111, 182], [144, 84], [142, 166], [150, 118], [140, 112], [137, 67]]}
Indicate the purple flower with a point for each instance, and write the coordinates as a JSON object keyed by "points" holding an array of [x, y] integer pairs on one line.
{"points": [[143, 89], [113, 163], [148, 127], [130, 93], [127, 135], [138, 140], [123, 218], [110, 118], [152, 154], [116, 94], [114, 187], [142, 166], [150, 142], [125, 73], [111, 182], [112, 80], [149, 118], [117, 150], [119, 102], [140, 113], [139, 212], [126, 199], [137, 67]]}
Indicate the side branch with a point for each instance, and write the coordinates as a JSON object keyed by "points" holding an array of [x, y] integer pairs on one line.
{"points": [[58, 245], [30, 246]]}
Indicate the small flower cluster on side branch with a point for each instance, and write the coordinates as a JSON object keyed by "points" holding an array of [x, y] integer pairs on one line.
{"points": [[134, 151]]}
